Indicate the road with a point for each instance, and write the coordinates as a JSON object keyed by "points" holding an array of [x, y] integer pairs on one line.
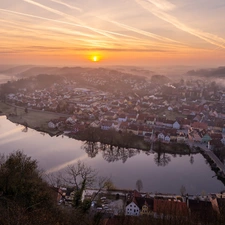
{"points": [[211, 154]]}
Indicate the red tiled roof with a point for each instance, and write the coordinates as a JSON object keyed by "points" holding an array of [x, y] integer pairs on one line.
{"points": [[199, 125], [170, 207]]}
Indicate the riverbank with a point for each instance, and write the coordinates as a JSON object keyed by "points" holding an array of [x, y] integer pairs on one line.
{"points": [[214, 167], [38, 120]]}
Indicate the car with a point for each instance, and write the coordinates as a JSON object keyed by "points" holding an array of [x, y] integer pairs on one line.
{"points": [[93, 203], [99, 208]]}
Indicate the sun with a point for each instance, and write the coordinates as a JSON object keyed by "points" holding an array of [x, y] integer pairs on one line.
{"points": [[95, 58]]}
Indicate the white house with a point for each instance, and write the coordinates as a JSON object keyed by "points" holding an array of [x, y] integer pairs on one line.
{"points": [[51, 125], [71, 120], [161, 136], [167, 138], [176, 125], [132, 210], [122, 118]]}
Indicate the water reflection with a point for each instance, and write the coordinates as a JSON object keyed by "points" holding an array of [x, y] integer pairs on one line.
{"points": [[109, 152], [91, 148], [162, 159], [112, 153], [56, 153], [192, 159]]}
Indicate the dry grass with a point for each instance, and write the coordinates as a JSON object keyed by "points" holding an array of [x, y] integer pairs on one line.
{"points": [[32, 118]]}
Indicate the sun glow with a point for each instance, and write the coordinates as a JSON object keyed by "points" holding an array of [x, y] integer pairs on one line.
{"points": [[95, 58]]}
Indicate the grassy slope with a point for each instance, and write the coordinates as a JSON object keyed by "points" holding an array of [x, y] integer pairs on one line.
{"points": [[32, 118]]}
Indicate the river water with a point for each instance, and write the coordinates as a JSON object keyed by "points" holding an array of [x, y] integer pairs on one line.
{"points": [[165, 174]]}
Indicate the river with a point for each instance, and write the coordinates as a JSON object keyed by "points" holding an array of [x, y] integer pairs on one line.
{"points": [[166, 174]]}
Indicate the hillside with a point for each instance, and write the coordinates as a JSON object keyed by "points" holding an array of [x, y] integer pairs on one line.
{"points": [[209, 73]]}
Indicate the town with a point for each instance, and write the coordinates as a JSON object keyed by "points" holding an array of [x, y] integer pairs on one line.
{"points": [[176, 116], [113, 203], [154, 109]]}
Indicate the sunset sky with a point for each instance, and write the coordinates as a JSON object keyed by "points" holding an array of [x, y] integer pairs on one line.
{"points": [[135, 32]]}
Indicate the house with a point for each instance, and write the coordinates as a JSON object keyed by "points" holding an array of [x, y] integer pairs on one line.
{"points": [[142, 130], [106, 125], [168, 123], [71, 120], [206, 138], [176, 125], [78, 127], [167, 138], [161, 136], [122, 118], [160, 121], [132, 117], [194, 135], [181, 138], [169, 208], [133, 129], [140, 206], [142, 118], [202, 210], [197, 118], [199, 125], [132, 209], [185, 123], [150, 120], [51, 125], [146, 205], [95, 124]]}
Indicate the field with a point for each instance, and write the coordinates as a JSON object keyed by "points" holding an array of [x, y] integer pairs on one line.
{"points": [[32, 118]]}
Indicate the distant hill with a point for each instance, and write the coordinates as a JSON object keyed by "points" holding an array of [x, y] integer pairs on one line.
{"points": [[34, 71], [209, 73], [103, 79], [134, 70], [14, 70], [159, 79]]}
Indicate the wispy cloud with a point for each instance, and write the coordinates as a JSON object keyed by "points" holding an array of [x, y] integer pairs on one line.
{"points": [[76, 28], [163, 4], [210, 38], [70, 18], [142, 32], [106, 33], [67, 5]]}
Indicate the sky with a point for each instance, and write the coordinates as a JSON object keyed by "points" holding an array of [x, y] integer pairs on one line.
{"points": [[112, 32]]}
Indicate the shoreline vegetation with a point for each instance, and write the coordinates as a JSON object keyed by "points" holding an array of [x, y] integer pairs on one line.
{"points": [[38, 120]]}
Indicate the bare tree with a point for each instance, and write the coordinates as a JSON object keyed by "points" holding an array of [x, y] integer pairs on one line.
{"points": [[139, 185], [183, 190], [80, 176]]}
